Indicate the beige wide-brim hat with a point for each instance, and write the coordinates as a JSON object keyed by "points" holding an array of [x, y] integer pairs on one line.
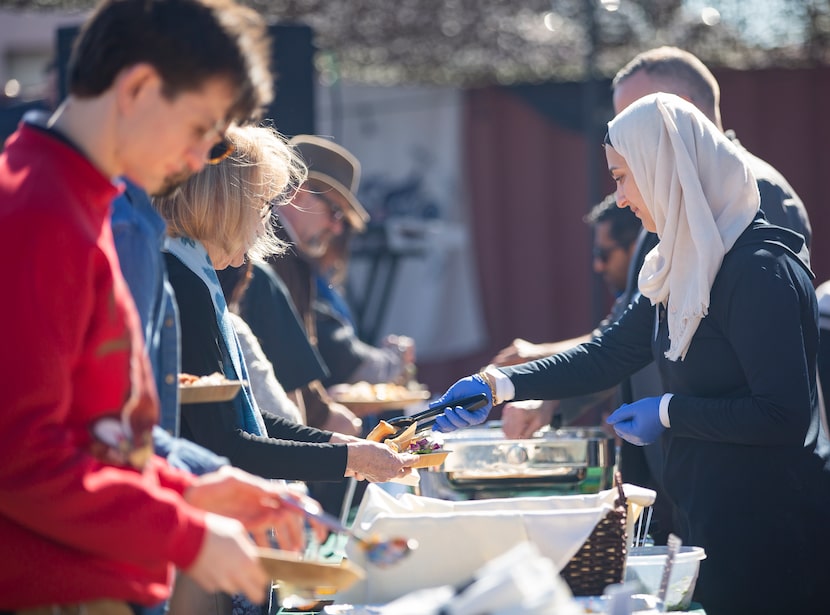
{"points": [[337, 167]]}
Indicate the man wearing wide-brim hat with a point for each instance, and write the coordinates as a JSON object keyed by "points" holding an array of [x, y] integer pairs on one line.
{"points": [[325, 212], [327, 200], [319, 212], [322, 210]]}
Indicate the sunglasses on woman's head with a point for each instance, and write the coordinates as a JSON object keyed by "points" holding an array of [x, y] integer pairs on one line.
{"points": [[220, 151]]}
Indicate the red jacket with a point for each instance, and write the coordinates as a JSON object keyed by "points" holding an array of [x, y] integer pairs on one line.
{"points": [[74, 526]]}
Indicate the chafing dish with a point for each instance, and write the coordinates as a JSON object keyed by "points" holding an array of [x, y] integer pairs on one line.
{"points": [[485, 464]]}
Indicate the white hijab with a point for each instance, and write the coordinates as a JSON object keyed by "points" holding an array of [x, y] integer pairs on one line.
{"points": [[701, 194]]}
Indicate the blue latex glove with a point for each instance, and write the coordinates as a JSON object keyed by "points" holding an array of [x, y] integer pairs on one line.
{"points": [[456, 417], [638, 422]]}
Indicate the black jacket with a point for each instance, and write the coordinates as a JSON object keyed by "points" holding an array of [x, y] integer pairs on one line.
{"points": [[744, 457], [290, 451], [267, 307]]}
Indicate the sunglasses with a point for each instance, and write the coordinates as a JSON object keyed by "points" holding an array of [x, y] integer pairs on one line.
{"points": [[604, 254], [335, 211], [267, 209], [220, 151]]}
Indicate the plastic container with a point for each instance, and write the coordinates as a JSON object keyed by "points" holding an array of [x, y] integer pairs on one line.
{"points": [[645, 567]]}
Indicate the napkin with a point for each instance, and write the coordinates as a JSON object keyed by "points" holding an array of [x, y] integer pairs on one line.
{"points": [[410, 480], [457, 538], [518, 582]]}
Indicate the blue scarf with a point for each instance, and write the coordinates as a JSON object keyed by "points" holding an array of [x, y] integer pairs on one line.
{"points": [[194, 256]]}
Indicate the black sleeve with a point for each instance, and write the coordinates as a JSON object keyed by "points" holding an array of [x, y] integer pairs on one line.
{"points": [[213, 425], [784, 209], [767, 313], [824, 365], [281, 428], [622, 349], [200, 335], [339, 346], [269, 311]]}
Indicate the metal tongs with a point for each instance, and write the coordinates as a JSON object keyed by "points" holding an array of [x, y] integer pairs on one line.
{"points": [[427, 417]]}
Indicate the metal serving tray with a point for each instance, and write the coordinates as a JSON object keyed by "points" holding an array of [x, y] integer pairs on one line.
{"points": [[484, 460]]}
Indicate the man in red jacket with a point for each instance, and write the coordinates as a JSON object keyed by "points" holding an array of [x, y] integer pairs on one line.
{"points": [[86, 511]]}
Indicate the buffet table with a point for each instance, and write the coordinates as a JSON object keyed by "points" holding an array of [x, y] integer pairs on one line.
{"points": [[544, 502], [391, 589], [345, 609]]}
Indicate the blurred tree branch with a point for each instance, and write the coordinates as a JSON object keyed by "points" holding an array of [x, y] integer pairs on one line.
{"points": [[481, 42]]}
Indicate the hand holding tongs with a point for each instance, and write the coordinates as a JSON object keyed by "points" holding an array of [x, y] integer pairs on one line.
{"points": [[427, 417]]}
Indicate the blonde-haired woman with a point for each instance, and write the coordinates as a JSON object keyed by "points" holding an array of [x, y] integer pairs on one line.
{"points": [[227, 206], [216, 219]]}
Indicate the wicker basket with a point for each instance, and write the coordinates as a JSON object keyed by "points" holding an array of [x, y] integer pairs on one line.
{"points": [[600, 560]]}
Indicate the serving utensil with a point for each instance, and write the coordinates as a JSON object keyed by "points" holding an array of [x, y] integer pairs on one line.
{"points": [[427, 417], [379, 552], [673, 545], [641, 534]]}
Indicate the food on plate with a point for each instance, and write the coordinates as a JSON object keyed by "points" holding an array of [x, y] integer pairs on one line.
{"points": [[380, 431], [203, 389], [211, 379], [401, 441], [383, 430], [429, 451], [423, 446], [366, 392]]}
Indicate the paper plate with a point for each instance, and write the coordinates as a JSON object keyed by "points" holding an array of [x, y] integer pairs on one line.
{"points": [[431, 460], [306, 574], [362, 406], [203, 393]]}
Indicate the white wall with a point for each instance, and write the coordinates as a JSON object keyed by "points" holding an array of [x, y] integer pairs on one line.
{"points": [[27, 45], [411, 137]]}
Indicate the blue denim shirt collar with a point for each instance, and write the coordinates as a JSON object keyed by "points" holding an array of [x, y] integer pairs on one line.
{"points": [[140, 234]]}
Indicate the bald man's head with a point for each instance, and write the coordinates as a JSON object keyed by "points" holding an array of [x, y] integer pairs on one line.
{"points": [[672, 70]]}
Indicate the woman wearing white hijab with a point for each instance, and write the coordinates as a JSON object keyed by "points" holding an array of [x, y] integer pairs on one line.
{"points": [[728, 312]]}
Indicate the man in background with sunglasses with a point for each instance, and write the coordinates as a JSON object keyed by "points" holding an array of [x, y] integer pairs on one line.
{"points": [[319, 212], [615, 236], [323, 211], [89, 517]]}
